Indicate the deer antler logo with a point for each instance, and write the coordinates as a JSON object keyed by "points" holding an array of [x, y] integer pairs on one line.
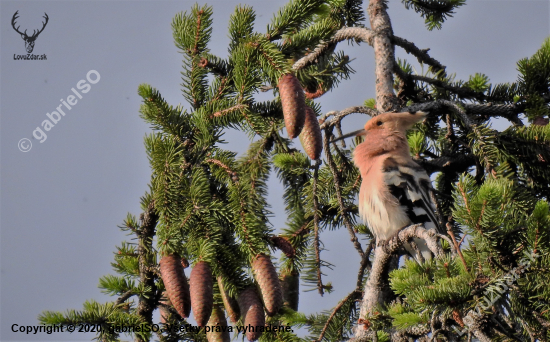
{"points": [[29, 41]]}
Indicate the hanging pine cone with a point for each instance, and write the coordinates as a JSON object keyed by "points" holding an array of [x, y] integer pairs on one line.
{"points": [[253, 313], [267, 278], [202, 295], [230, 304], [457, 316], [176, 284], [290, 282], [311, 137], [217, 319], [294, 103]]}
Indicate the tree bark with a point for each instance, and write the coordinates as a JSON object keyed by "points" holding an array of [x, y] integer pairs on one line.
{"points": [[146, 306], [384, 56]]}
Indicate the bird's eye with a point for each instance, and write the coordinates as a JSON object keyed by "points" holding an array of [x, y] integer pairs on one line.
{"points": [[379, 123]]}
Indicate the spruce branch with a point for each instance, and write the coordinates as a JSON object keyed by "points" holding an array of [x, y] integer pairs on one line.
{"points": [[360, 34], [462, 91], [351, 296], [316, 241], [421, 54], [147, 277], [376, 292], [124, 297], [339, 115]]}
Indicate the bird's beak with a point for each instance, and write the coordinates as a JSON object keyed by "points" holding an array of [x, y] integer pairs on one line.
{"points": [[352, 134]]}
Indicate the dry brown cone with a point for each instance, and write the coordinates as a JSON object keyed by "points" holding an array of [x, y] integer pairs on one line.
{"points": [[230, 304], [267, 278], [284, 245], [290, 281], [217, 319], [176, 284], [458, 317], [202, 294], [311, 137], [252, 311], [294, 103]]}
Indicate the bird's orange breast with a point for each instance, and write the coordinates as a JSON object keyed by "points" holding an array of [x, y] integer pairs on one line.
{"points": [[377, 207]]}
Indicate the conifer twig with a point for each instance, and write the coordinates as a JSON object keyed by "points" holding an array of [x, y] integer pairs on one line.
{"points": [[457, 247], [464, 92], [330, 161], [124, 296], [333, 313], [316, 242], [421, 54]]}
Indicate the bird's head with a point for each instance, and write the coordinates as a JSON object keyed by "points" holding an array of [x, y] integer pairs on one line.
{"points": [[394, 121], [388, 122]]}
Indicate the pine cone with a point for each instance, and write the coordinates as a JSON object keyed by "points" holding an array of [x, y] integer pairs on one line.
{"points": [[267, 278], [217, 319], [202, 295], [176, 284], [311, 137], [284, 245], [293, 101], [458, 317], [230, 304], [253, 313], [290, 281]]}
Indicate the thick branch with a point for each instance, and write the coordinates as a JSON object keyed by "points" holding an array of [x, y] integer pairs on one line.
{"points": [[358, 33], [384, 56], [460, 163], [375, 291], [339, 115], [507, 111], [474, 322]]}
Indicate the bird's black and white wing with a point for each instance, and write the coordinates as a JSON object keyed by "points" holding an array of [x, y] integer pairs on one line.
{"points": [[410, 185]]}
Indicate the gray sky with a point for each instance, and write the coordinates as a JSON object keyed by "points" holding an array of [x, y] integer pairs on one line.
{"points": [[61, 201]]}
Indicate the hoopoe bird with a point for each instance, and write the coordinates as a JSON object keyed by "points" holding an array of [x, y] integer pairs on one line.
{"points": [[395, 191]]}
